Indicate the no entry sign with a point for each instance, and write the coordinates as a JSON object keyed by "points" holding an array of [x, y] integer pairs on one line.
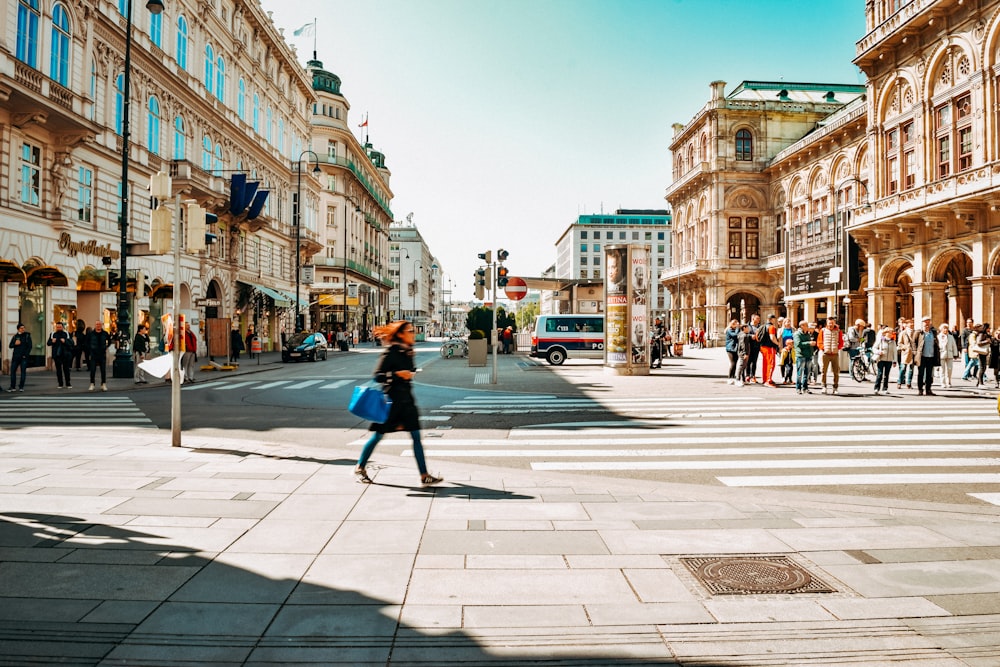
{"points": [[516, 289]]}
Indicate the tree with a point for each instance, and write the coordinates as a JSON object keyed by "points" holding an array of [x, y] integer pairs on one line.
{"points": [[526, 315]]}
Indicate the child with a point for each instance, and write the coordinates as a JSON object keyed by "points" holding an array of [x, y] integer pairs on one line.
{"points": [[787, 361]]}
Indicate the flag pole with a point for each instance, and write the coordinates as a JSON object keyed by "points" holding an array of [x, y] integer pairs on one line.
{"points": [[314, 39]]}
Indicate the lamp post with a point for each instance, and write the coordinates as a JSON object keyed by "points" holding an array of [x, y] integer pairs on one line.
{"points": [[299, 325], [416, 286], [123, 366]]}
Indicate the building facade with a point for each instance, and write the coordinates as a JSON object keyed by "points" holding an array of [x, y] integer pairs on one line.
{"points": [[215, 91], [874, 203], [351, 278], [580, 255], [416, 275]]}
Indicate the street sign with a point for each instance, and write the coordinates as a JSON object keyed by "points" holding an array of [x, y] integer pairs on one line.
{"points": [[516, 289]]}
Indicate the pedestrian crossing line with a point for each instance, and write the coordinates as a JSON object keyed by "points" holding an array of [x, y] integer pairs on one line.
{"points": [[446, 449], [629, 427], [336, 385], [271, 385], [482, 377], [203, 385], [235, 385], [775, 464], [862, 479], [302, 385], [76, 411], [991, 498]]}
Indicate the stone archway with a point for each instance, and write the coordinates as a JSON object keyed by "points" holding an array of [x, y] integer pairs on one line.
{"points": [[897, 280], [953, 268], [741, 306]]}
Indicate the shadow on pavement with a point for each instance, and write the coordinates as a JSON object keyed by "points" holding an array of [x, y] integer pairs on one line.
{"points": [[84, 593]]}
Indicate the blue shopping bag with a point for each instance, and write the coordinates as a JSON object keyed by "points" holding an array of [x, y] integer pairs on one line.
{"points": [[370, 403]]}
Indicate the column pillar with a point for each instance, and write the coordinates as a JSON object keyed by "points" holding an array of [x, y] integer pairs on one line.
{"points": [[929, 300], [986, 299], [882, 306]]}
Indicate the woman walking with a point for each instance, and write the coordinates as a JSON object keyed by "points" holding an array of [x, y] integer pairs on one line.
{"points": [[949, 352], [984, 341], [395, 371]]}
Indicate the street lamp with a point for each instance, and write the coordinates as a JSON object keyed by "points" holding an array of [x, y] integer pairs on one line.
{"points": [[299, 325], [416, 286], [123, 366]]}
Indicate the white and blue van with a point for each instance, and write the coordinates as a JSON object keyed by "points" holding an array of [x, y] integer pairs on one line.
{"points": [[558, 337]]}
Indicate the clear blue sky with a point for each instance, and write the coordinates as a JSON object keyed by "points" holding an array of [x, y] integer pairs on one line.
{"points": [[502, 121]]}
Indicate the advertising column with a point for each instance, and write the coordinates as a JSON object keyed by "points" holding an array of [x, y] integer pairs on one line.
{"points": [[626, 292]]}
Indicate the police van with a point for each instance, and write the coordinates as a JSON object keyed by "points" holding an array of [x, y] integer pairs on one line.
{"points": [[557, 337]]}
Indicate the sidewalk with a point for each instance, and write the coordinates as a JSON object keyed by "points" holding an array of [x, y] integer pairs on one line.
{"points": [[116, 549]]}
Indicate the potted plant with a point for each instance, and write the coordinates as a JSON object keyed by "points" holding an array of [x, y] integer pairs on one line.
{"points": [[477, 347]]}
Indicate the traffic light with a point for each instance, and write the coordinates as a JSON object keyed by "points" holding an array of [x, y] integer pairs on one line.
{"points": [[480, 282], [487, 256], [488, 278], [195, 228], [111, 279], [502, 255], [161, 221], [501, 275]]}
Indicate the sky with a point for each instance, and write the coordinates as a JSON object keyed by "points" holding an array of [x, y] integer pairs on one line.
{"points": [[502, 121]]}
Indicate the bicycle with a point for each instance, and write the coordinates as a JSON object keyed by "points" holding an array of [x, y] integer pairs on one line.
{"points": [[863, 365], [455, 347]]}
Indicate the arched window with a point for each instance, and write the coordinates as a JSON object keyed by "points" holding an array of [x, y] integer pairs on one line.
{"points": [[59, 59], [241, 101], [153, 126], [180, 139], [122, 7], [217, 165], [281, 135], [270, 125], [256, 113], [220, 79], [27, 32], [156, 29], [119, 102], [744, 146], [209, 68], [182, 42], [206, 153]]}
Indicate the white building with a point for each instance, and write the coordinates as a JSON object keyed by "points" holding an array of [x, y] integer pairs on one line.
{"points": [[415, 273]]}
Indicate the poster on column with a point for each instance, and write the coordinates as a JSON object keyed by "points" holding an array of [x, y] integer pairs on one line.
{"points": [[639, 292], [616, 318]]}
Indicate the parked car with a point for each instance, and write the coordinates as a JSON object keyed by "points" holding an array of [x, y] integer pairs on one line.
{"points": [[304, 345]]}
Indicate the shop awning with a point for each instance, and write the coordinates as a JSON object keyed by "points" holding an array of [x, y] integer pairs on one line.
{"points": [[303, 302], [280, 300], [10, 272], [46, 275]]}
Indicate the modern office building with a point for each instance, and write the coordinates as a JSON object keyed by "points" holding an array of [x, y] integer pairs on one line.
{"points": [[580, 254]]}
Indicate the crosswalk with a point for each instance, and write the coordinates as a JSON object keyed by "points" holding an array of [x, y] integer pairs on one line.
{"points": [[97, 410], [258, 385], [747, 441]]}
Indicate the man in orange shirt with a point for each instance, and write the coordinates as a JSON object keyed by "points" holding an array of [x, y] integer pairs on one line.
{"points": [[769, 345]]}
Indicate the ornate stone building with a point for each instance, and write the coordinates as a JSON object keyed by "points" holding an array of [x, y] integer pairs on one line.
{"points": [[215, 91], [764, 190]]}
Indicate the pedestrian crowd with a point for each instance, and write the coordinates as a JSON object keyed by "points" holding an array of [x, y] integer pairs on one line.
{"points": [[808, 355]]}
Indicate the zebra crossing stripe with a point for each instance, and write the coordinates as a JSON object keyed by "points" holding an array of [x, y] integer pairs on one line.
{"points": [[862, 480], [335, 385], [235, 385], [678, 453], [203, 385], [270, 385], [776, 464], [303, 385], [992, 498]]}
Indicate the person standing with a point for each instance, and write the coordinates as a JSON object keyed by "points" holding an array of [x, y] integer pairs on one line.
{"points": [[949, 352], [732, 338], [805, 350], [140, 351], [98, 341], [831, 342], [656, 349], [968, 333], [884, 354], [769, 343], [743, 341], [190, 355], [757, 332], [926, 355], [395, 370], [904, 342], [79, 345], [249, 341], [21, 344], [236, 345], [62, 354]]}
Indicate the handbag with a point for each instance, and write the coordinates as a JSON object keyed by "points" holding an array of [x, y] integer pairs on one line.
{"points": [[979, 348], [370, 403]]}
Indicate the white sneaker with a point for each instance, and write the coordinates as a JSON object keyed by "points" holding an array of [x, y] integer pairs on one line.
{"points": [[730, 381], [739, 383], [104, 387], [834, 390], [91, 388], [824, 390], [878, 392]]}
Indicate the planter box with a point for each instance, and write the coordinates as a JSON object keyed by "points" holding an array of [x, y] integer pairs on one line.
{"points": [[477, 352]]}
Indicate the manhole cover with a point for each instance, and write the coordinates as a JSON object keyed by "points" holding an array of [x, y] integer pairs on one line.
{"points": [[746, 575]]}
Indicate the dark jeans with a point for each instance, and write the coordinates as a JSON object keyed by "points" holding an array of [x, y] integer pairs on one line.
{"points": [[752, 361], [20, 361], [94, 364], [925, 373], [63, 365], [733, 358], [882, 375]]}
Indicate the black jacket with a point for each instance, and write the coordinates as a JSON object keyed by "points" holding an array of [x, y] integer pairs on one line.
{"points": [[98, 342], [403, 415], [22, 350], [62, 345]]}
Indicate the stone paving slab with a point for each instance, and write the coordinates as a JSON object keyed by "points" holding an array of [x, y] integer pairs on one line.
{"points": [[274, 556]]}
